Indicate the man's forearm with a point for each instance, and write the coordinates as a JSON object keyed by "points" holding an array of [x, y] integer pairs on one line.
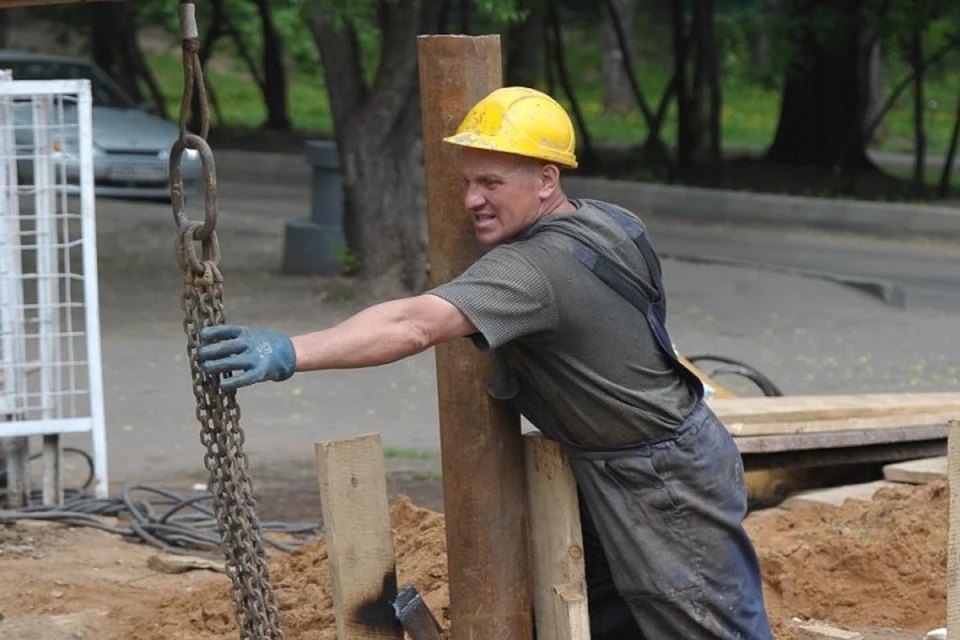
{"points": [[378, 335]]}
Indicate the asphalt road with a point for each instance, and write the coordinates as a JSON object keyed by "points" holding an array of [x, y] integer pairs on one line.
{"points": [[927, 274], [809, 334]]}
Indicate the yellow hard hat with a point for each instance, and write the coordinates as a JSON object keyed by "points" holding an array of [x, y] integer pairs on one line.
{"points": [[519, 120]]}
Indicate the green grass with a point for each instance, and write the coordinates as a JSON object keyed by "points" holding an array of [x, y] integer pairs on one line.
{"points": [[408, 454], [749, 115], [239, 98]]}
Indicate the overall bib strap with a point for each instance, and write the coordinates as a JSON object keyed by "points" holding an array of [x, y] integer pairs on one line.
{"points": [[655, 310]]}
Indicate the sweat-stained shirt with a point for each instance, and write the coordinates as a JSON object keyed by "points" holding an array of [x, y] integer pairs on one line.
{"points": [[587, 352]]}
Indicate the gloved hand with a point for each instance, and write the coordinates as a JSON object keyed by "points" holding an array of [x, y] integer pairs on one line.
{"points": [[260, 354]]}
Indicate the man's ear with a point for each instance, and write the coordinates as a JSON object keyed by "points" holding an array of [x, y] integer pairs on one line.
{"points": [[549, 180]]}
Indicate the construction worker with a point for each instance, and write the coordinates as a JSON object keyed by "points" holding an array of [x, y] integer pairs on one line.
{"points": [[569, 298]]}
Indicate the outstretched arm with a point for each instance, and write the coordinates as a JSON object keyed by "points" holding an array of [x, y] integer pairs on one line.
{"points": [[383, 333], [380, 334]]}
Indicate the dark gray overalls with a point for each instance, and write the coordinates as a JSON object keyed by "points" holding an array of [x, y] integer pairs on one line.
{"points": [[662, 520]]}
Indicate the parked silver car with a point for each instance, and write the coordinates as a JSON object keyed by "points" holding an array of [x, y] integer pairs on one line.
{"points": [[131, 146]]}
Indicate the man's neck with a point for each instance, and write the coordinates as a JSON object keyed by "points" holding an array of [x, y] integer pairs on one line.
{"points": [[558, 204]]}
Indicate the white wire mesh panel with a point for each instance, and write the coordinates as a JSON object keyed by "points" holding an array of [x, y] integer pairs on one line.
{"points": [[49, 323]]}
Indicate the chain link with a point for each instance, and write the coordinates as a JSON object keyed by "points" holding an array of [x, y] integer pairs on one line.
{"points": [[217, 410]]}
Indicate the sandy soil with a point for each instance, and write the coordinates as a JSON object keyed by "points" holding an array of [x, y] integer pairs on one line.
{"points": [[869, 564]]}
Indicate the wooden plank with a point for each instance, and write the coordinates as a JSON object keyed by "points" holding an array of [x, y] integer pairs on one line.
{"points": [[953, 531], [556, 542], [837, 407], [835, 496], [916, 471], [480, 441], [719, 391], [571, 612], [356, 525], [860, 423], [838, 439]]}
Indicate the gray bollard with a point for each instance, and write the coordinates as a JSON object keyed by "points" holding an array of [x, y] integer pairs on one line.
{"points": [[314, 246]]}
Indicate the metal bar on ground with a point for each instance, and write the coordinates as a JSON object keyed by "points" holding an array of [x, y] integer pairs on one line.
{"points": [[415, 616], [480, 440], [556, 541], [356, 525]]}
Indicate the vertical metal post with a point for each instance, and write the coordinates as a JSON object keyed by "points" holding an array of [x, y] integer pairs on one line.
{"points": [[48, 287], [91, 289], [481, 444], [13, 345]]}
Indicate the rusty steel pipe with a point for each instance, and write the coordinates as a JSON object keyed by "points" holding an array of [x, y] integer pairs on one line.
{"points": [[480, 440]]}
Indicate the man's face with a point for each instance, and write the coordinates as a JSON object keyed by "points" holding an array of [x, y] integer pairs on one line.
{"points": [[503, 193]]}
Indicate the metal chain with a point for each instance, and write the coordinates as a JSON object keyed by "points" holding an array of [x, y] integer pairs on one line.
{"points": [[217, 410]]}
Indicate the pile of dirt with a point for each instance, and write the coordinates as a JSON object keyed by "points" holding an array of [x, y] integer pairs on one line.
{"points": [[301, 582], [879, 563]]}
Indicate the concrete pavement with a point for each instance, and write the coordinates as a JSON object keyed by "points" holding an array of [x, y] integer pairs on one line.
{"points": [[807, 334]]}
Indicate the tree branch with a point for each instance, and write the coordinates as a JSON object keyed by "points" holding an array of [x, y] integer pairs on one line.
{"points": [[944, 187], [342, 66], [553, 21], [627, 61], [397, 71], [901, 86], [245, 53]]}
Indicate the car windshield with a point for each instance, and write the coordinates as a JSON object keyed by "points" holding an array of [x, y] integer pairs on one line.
{"points": [[105, 92]]}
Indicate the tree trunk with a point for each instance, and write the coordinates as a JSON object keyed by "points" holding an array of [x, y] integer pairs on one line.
{"points": [[274, 72], [617, 93], [919, 137], [113, 33], [115, 45], [943, 189], [6, 27], [712, 123], [524, 49], [555, 49], [705, 93], [824, 98], [378, 138], [763, 46], [875, 71], [684, 141]]}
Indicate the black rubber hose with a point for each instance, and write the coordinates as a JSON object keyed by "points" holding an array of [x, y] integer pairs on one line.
{"points": [[767, 386]]}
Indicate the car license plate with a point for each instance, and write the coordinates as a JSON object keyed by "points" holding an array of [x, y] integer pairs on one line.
{"points": [[137, 173]]}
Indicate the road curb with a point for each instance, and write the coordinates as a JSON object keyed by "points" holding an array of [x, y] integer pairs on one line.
{"points": [[718, 206], [669, 202]]}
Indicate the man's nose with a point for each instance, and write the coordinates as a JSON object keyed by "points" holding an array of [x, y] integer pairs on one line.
{"points": [[473, 200]]}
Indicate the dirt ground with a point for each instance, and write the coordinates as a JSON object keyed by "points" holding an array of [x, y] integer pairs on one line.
{"points": [[867, 565]]}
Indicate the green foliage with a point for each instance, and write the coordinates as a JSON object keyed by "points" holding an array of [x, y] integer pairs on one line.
{"points": [[349, 261], [750, 90]]}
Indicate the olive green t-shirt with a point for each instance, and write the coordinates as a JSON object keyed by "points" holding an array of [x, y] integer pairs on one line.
{"points": [[572, 341]]}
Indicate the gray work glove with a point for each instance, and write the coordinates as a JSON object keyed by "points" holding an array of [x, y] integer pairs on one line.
{"points": [[258, 354]]}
